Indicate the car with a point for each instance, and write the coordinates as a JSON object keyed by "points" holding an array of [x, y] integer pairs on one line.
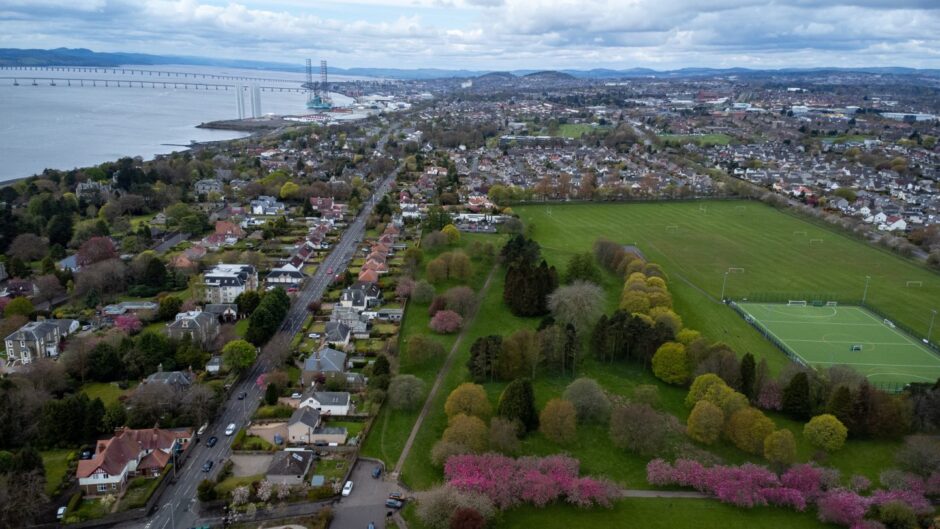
{"points": [[211, 441], [376, 472], [86, 454], [202, 429], [295, 395], [242, 395], [394, 504], [396, 496], [230, 429], [347, 488], [330, 271], [313, 335], [60, 513], [207, 466]]}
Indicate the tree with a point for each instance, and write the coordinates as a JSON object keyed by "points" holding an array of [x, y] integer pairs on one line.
{"points": [[641, 429], [580, 304], [796, 401], [289, 190], [527, 288], [748, 375], [381, 366], [247, 302], [466, 430], [504, 436], [484, 357], [405, 392], [60, 229], [169, 307], [700, 387], [422, 292], [520, 249], [920, 455], [206, 490], [422, 348], [558, 421], [589, 400], [28, 247], [826, 432], [436, 506], [271, 394], [19, 307], [747, 428], [451, 233], [467, 518], [446, 322], [840, 405], [581, 267], [238, 355], [461, 300], [436, 270], [705, 422], [469, 399], [671, 364], [517, 403], [96, 249], [459, 266], [129, 323], [518, 355], [780, 447]]}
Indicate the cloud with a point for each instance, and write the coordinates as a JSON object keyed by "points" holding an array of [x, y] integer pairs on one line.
{"points": [[494, 34]]}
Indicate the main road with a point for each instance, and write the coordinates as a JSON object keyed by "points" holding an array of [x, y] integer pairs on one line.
{"points": [[176, 507]]}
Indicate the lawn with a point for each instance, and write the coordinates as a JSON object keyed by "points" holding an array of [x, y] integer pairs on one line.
{"points": [[241, 328], [56, 465], [391, 428], [771, 251], [703, 140], [108, 392], [575, 130], [88, 510], [829, 335], [139, 490], [232, 482]]}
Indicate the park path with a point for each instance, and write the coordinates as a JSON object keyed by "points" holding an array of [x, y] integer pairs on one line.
{"points": [[439, 381]]}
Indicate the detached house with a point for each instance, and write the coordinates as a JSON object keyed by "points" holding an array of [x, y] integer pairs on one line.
{"points": [[361, 295], [333, 403], [201, 327], [226, 281], [323, 362], [32, 342], [128, 454]]}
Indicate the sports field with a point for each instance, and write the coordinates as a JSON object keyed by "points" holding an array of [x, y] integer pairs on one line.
{"points": [[825, 336]]}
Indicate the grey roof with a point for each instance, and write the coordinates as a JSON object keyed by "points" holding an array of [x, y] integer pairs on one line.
{"points": [[221, 308], [176, 378], [307, 416], [331, 430], [326, 360], [31, 331], [332, 398], [290, 463], [336, 331]]}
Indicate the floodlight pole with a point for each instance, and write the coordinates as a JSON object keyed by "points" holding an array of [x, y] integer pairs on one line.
{"points": [[865, 294], [724, 283], [933, 316]]}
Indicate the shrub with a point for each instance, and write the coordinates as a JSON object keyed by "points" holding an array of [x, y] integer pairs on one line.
{"points": [[589, 400], [558, 421], [469, 399], [705, 421], [826, 432], [405, 392], [446, 322]]}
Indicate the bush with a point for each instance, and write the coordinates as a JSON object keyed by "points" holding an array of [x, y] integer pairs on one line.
{"points": [[405, 392], [589, 400], [206, 490], [446, 322], [558, 421], [826, 432]]}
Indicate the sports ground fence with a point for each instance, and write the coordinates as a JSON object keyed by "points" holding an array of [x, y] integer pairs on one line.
{"points": [[817, 299]]}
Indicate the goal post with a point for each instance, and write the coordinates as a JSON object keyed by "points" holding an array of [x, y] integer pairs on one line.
{"points": [[796, 303], [800, 232], [735, 270], [832, 303], [672, 227], [815, 241], [914, 284]]}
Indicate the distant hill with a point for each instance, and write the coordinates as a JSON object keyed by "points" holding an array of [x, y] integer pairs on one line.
{"points": [[85, 57]]}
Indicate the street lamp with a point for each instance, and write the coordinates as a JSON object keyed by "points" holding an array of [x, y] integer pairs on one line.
{"points": [[930, 328], [865, 293], [724, 283]]}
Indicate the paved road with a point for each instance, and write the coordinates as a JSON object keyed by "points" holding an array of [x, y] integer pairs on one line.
{"points": [[179, 499]]}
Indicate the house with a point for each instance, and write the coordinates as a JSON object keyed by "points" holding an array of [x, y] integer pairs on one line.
{"points": [[334, 403], [225, 312], [93, 191], [284, 276], [338, 333], [206, 186], [359, 323], [229, 229], [303, 422], [201, 327], [289, 467], [128, 454], [135, 307], [214, 365], [177, 379], [390, 314], [33, 341], [334, 435], [361, 295], [226, 281], [69, 263], [265, 205], [323, 362], [321, 203]]}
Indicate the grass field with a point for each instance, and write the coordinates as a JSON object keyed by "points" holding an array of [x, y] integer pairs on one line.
{"points": [[108, 392], [771, 250], [703, 140], [824, 336], [56, 464]]}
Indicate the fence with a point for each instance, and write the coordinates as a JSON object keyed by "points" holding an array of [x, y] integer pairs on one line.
{"points": [[767, 335]]}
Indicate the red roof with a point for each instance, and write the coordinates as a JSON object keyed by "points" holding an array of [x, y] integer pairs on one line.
{"points": [[112, 455], [368, 275]]}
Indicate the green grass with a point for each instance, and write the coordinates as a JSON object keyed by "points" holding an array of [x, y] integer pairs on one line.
{"points": [[88, 510], [138, 491], [772, 247], [56, 465], [232, 482], [665, 513], [108, 393], [575, 130], [703, 140], [824, 336], [241, 328]]}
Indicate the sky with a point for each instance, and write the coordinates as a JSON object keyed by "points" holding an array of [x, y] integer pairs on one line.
{"points": [[494, 34]]}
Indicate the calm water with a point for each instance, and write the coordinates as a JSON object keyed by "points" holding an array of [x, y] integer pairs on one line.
{"points": [[63, 127]]}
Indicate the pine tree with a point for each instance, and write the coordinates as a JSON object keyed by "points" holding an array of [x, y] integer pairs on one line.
{"points": [[517, 403], [748, 375], [484, 354], [840, 406], [796, 401]]}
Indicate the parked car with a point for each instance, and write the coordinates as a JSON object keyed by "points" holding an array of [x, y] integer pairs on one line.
{"points": [[396, 496], [394, 504], [347, 488], [207, 466], [60, 513], [314, 335], [230, 429], [211, 441], [295, 395], [376, 472]]}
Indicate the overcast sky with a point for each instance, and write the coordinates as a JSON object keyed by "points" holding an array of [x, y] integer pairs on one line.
{"points": [[494, 34]]}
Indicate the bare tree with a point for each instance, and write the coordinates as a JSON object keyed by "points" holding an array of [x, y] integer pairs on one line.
{"points": [[47, 375], [580, 304], [49, 288], [28, 247], [199, 403]]}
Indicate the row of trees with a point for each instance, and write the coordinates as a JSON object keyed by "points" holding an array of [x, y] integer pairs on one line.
{"points": [[528, 281], [522, 353], [267, 316]]}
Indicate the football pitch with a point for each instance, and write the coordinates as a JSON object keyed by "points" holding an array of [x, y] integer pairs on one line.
{"points": [[846, 335]]}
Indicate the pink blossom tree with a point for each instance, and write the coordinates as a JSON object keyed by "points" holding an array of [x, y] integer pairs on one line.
{"points": [[128, 323], [446, 322], [843, 507]]}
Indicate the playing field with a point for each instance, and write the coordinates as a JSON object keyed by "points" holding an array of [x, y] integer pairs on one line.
{"points": [[825, 336]]}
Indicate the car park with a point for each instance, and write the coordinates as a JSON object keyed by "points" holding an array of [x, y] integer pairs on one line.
{"points": [[347, 488]]}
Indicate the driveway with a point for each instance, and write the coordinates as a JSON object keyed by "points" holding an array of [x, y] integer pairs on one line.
{"points": [[367, 501], [250, 465]]}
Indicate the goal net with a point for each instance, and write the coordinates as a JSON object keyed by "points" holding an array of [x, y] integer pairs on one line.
{"points": [[797, 302], [915, 284], [832, 303], [889, 323]]}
